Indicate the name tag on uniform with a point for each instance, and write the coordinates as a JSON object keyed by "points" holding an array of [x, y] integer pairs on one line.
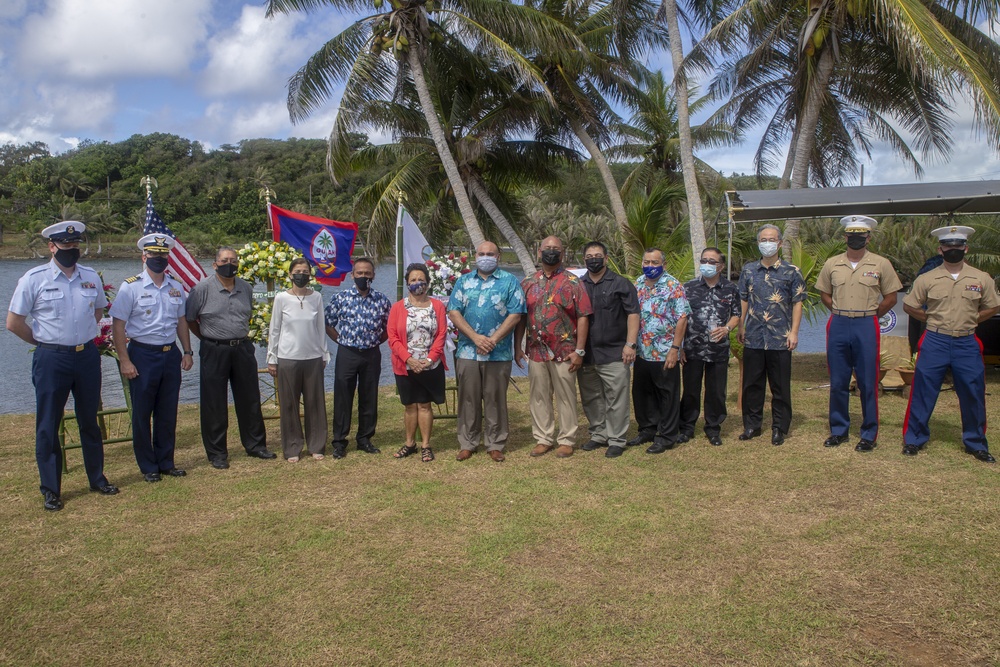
{"points": [[51, 294], [146, 300]]}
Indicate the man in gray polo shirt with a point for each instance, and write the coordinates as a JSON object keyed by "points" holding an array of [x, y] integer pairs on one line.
{"points": [[218, 312]]}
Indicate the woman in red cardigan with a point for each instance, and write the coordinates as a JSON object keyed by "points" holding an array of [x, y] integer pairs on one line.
{"points": [[417, 330]]}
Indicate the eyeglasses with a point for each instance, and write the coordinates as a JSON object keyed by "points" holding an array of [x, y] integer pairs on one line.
{"points": [[711, 262]]}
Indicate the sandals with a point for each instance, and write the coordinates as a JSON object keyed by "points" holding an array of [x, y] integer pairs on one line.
{"points": [[405, 451], [426, 455]]}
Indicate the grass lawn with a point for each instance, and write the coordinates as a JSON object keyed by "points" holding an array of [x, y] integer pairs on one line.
{"points": [[741, 554]]}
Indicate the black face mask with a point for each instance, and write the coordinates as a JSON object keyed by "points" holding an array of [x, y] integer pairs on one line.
{"points": [[363, 284], [156, 264], [226, 270], [551, 257], [595, 264], [856, 241], [301, 279], [68, 257], [953, 255]]}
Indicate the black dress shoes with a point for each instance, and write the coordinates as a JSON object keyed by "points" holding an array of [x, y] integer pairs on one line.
{"points": [[591, 445], [835, 440], [220, 464], [660, 447], [910, 450], [368, 448], [981, 454], [152, 477], [777, 437], [339, 451], [683, 437], [864, 446], [52, 502], [715, 440], [174, 472], [750, 434], [614, 452], [108, 489], [640, 439], [261, 454]]}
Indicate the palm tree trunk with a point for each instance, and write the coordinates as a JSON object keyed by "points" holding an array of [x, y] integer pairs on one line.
{"points": [[444, 152], [696, 217], [477, 190], [806, 140], [617, 205]]}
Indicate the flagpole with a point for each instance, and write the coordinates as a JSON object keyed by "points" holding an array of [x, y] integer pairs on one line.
{"points": [[399, 245]]}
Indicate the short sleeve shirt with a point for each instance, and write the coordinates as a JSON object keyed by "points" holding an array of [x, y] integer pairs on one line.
{"points": [[485, 303], [613, 299], [61, 309], [858, 289], [711, 307], [360, 320], [661, 307], [953, 305], [150, 313], [770, 292], [221, 314], [553, 305]]}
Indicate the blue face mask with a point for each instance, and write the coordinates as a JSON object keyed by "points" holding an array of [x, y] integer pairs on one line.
{"points": [[708, 270], [652, 272], [417, 288]]}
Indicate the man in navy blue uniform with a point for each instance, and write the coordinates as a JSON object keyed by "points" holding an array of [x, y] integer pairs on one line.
{"points": [[148, 319], [858, 287], [953, 299], [65, 301], [356, 320]]}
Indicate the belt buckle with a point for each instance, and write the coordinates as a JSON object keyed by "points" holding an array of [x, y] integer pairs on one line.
{"points": [[166, 348], [79, 348], [235, 342]]}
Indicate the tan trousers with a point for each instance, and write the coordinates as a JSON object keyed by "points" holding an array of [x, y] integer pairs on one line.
{"points": [[302, 379], [552, 379], [482, 391]]}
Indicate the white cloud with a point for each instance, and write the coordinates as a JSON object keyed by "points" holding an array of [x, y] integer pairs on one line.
{"points": [[97, 39], [267, 119], [254, 56], [13, 9]]}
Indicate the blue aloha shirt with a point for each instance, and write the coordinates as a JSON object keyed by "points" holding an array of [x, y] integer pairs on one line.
{"points": [[770, 292], [485, 303], [360, 320], [661, 307]]}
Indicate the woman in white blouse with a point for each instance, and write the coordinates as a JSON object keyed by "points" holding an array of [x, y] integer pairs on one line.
{"points": [[297, 355]]}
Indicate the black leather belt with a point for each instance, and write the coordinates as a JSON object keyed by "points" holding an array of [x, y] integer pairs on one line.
{"points": [[158, 348], [67, 348], [231, 343]]}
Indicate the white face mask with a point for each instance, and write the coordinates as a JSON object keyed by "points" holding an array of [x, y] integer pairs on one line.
{"points": [[768, 248]]}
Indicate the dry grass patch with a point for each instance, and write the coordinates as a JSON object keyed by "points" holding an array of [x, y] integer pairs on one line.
{"points": [[741, 554]]}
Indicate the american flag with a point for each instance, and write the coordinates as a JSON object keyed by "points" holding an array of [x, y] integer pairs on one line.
{"points": [[182, 265]]}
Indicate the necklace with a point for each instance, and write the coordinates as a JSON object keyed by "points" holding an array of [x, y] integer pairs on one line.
{"points": [[301, 299]]}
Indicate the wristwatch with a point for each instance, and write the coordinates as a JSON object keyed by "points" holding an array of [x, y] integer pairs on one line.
{"points": [[634, 346], [187, 352], [580, 353], [675, 347]]}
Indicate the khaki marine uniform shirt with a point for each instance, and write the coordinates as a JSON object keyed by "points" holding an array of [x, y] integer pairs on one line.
{"points": [[858, 290], [953, 305]]}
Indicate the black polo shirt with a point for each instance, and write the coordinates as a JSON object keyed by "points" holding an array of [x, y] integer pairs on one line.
{"points": [[613, 299]]}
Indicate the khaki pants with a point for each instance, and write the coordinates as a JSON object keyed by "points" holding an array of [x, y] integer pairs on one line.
{"points": [[604, 392], [302, 379], [552, 379], [482, 391]]}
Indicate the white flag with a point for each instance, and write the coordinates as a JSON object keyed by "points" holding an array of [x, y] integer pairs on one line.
{"points": [[415, 247]]}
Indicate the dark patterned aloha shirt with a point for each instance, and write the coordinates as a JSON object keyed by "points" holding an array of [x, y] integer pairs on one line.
{"points": [[360, 320], [661, 307], [770, 292], [554, 304], [711, 307]]}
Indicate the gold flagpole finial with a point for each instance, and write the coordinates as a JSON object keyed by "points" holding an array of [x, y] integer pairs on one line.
{"points": [[150, 183], [400, 197]]}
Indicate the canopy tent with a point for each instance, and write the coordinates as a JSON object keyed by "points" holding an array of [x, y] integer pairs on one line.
{"points": [[961, 198]]}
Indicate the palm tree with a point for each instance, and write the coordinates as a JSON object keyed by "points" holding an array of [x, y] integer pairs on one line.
{"points": [[376, 53], [833, 76]]}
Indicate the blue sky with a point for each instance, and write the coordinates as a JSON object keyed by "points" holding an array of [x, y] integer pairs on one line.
{"points": [[216, 71]]}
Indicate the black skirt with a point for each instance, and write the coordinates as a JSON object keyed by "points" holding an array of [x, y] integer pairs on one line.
{"points": [[425, 387]]}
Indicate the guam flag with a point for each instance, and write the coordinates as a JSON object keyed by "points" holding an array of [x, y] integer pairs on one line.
{"points": [[327, 244]]}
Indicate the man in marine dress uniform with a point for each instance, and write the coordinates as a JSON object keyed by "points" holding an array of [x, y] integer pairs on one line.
{"points": [[148, 320], [218, 312], [858, 287], [952, 299], [65, 301]]}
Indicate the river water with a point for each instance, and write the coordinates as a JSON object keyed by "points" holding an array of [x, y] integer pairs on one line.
{"points": [[17, 392]]}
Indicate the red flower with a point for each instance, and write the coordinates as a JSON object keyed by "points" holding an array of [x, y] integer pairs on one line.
{"points": [[451, 256], [466, 270]]}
